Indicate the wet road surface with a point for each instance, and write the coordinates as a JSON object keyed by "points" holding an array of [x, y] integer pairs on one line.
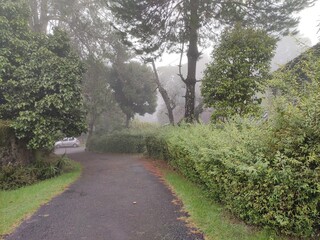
{"points": [[116, 198]]}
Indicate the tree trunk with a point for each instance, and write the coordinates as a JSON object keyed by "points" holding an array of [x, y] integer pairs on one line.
{"points": [[164, 94], [90, 128], [198, 110], [193, 55], [128, 118], [39, 15]]}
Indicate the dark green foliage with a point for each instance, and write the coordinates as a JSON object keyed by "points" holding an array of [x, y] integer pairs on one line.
{"points": [[5, 133], [40, 80], [263, 177], [44, 170], [118, 142], [156, 147], [64, 164], [131, 140], [151, 26], [134, 88], [13, 176], [238, 73], [99, 100]]}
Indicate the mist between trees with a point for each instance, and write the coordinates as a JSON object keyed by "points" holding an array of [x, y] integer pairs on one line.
{"points": [[117, 41], [69, 67]]}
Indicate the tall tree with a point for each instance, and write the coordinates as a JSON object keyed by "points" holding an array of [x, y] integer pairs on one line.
{"points": [[240, 70], [40, 80], [134, 89], [86, 22], [152, 26], [170, 105], [97, 92], [175, 89]]}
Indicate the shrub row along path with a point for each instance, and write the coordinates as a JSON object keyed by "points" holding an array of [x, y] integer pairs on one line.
{"points": [[116, 198]]}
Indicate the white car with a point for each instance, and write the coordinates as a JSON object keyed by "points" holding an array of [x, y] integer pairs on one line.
{"points": [[67, 142]]}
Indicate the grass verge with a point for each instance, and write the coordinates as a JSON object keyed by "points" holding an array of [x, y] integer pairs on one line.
{"points": [[16, 205], [211, 218]]}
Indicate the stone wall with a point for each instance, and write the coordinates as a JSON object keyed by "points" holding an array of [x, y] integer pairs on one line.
{"points": [[11, 149]]}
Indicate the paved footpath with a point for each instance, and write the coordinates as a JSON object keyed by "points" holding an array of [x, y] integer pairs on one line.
{"points": [[116, 198]]}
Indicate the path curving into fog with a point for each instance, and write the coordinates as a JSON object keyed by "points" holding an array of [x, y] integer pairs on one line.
{"points": [[116, 198]]}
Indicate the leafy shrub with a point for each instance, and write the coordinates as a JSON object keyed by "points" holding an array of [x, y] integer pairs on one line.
{"points": [[15, 176], [156, 146], [64, 164], [251, 167], [125, 141], [117, 143], [267, 172], [45, 170], [12, 177]]}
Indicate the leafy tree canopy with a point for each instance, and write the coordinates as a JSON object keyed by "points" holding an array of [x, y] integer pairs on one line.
{"points": [[238, 72], [152, 26], [149, 24], [99, 99], [86, 22], [40, 80], [134, 88]]}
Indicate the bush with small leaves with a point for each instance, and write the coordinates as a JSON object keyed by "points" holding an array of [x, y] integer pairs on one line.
{"points": [[14, 176]]}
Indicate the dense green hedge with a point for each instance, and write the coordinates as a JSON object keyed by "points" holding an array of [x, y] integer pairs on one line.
{"points": [[118, 142], [267, 173], [128, 140]]}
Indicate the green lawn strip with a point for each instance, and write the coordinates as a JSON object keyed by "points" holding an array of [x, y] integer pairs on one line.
{"points": [[18, 204], [210, 217]]}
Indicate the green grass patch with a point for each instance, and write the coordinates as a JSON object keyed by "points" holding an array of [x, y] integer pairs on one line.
{"points": [[16, 205], [215, 222]]}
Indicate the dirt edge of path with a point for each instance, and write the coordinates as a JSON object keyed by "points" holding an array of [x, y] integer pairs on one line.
{"points": [[158, 168]]}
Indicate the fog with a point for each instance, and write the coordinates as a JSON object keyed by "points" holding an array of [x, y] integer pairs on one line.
{"points": [[118, 44], [287, 49]]}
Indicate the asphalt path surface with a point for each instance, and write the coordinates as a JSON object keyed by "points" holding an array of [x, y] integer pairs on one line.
{"points": [[116, 198]]}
